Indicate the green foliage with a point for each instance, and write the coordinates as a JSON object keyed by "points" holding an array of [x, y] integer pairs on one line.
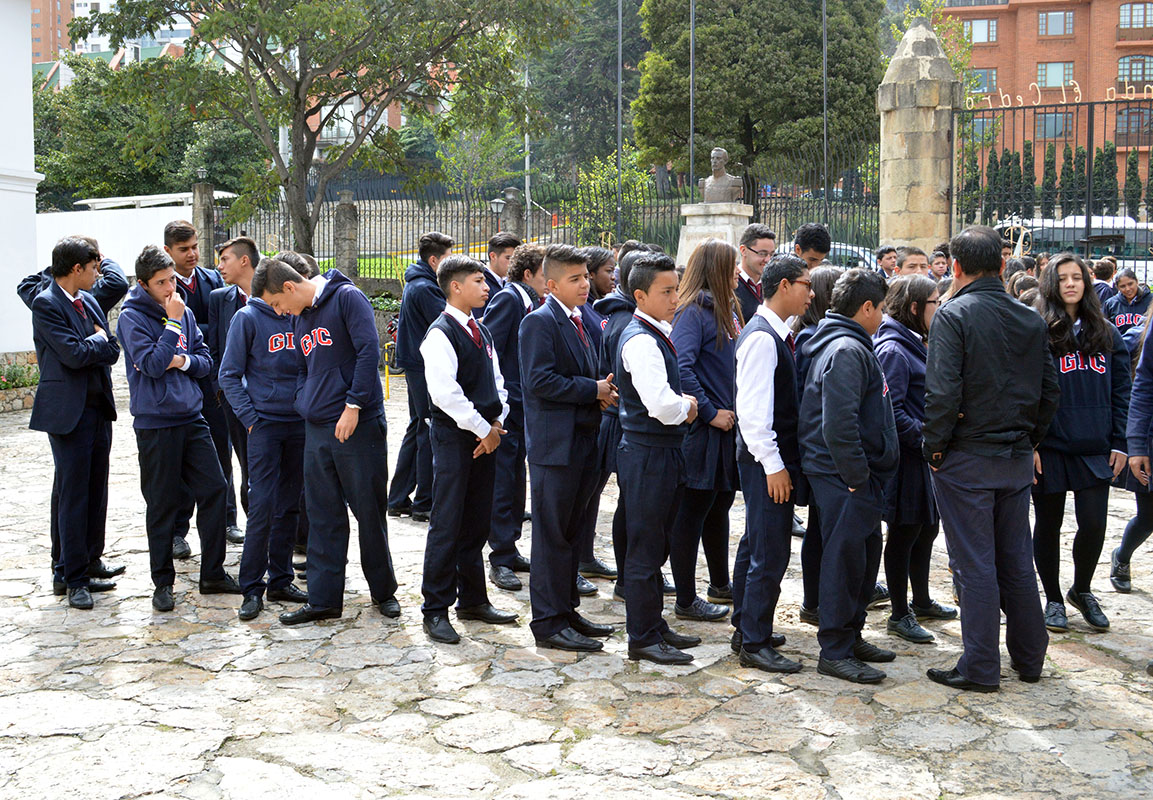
{"points": [[386, 302], [1067, 191], [486, 156], [1109, 171], [418, 139], [1100, 183], [596, 213], [1027, 190], [1133, 186], [229, 153], [18, 376], [992, 188], [971, 188], [1010, 179], [1049, 180], [1080, 182], [375, 267]]}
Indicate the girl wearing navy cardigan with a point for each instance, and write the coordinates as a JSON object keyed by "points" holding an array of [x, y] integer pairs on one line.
{"points": [[1084, 448], [705, 329], [900, 345]]}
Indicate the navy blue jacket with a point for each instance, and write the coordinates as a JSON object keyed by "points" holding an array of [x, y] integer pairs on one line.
{"points": [[1093, 411], [802, 339], [502, 317], [420, 304], [708, 373], [617, 309], [494, 288], [223, 304], [1125, 314], [902, 355], [559, 383], [1104, 291], [1139, 429], [594, 323], [337, 339], [207, 280], [638, 426], [160, 397], [73, 360], [108, 290], [746, 298], [260, 366], [846, 422]]}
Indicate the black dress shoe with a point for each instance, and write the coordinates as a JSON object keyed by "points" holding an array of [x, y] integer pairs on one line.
{"points": [[798, 527], [439, 629], [768, 660], [569, 639], [225, 585], [955, 680], [308, 613], [667, 586], [251, 607], [880, 596], [420, 516], [399, 511], [80, 597], [520, 563], [162, 599], [810, 616], [659, 653], [504, 578], [596, 569], [1090, 609], [586, 627], [850, 669], [618, 592], [234, 535], [1022, 676], [867, 651], [679, 640], [1119, 574], [720, 594], [99, 569], [180, 548], [909, 629], [701, 611], [933, 611], [288, 594], [585, 587], [389, 607], [526, 517], [486, 613], [60, 588]]}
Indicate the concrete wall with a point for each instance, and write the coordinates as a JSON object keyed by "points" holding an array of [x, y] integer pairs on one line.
{"points": [[121, 232]]}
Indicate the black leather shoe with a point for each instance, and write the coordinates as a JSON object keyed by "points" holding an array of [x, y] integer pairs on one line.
{"points": [[586, 627], [301, 568], [768, 660], [234, 535], [1055, 618], [80, 597], [399, 511], [798, 527], [251, 607], [680, 640], [503, 578], [439, 629], [585, 587], [420, 516], [1022, 676], [868, 652], [308, 613], [810, 616], [389, 607], [701, 611], [596, 569], [880, 596], [933, 611], [162, 599], [850, 669], [1119, 574], [99, 569], [618, 592], [526, 517], [288, 594], [486, 613], [1090, 609], [180, 548], [659, 653], [667, 586], [225, 585], [909, 629], [1149, 668], [737, 641], [570, 639], [60, 588], [955, 680], [720, 594], [520, 563]]}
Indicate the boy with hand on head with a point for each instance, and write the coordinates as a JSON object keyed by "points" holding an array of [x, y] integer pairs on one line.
{"points": [[654, 417], [165, 356], [345, 444], [469, 404], [258, 374]]}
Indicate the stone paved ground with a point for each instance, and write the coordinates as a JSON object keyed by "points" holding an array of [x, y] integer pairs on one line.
{"points": [[121, 702]]}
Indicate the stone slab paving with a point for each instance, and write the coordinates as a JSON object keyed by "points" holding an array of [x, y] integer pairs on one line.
{"points": [[121, 702]]}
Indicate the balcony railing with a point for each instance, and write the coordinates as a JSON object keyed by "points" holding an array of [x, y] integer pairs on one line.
{"points": [[1125, 34], [1134, 139]]}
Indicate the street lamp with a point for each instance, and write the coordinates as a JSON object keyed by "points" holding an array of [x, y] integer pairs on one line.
{"points": [[201, 174], [497, 204]]}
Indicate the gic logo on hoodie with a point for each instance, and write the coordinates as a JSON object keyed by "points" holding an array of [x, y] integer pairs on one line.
{"points": [[319, 337], [282, 341], [1072, 362], [1128, 319]]}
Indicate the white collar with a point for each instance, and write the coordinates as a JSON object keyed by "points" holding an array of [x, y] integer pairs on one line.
{"points": [[780, 327], [499, 280], [664, 327], [458, 315], [71, 299], [523, 294], [570, 312], [319, 282], [186, 281]]}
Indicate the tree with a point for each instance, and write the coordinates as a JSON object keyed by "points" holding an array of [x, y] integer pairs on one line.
{"points": [[303, 63], [1010, 180], [473, 159], [1109, 170], [1100, 183], [1133, 186], [1027, 190], [1080, 172], [230, 155], [971, 187], [1049, 180], [758, 79], [992, 188], [1068, 188]]}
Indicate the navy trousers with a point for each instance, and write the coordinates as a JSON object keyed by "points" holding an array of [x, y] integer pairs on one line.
{"points": [[850, 559], [173, 462], [508, 494], [589, 516], [559, 495], [217, 422], [80, 494], [462, 491], [354, 472], [414, 461], [984, 505], [651, 482], [276, 468], [238, 439], [762, 558]]}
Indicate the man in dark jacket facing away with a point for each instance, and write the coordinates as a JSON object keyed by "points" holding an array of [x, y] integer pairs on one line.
{"points": [[990, 393], [849, 452]]}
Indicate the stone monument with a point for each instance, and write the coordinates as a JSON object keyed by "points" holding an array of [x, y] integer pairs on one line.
{"points": [[722, 215]]}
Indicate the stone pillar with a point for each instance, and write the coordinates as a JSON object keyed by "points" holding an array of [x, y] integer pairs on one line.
{"points": [[345, 230], [512, 215], [916, 100], [204, 220], [724, 221]]}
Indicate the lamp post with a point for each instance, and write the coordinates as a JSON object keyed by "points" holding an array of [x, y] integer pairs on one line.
{"points": [[692, 95], [825, 107], [620, 100]]}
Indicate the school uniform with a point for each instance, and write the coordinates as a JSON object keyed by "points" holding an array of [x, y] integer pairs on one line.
{"points": [[75, 407], [1126, 314], [502, 319], [841, 450], [495, 283], [558, 369], [258, 374], [337, 340], [467, 394], [223, 305], [767, 409], [594, 323], [175, 448], [1104, 290], [811, 543], [749, 295]]}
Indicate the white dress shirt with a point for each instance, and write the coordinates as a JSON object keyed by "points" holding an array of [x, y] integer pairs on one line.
{"points": [[523, 296], [440, 366], [499, 280], [641, 357], [756, 368]]}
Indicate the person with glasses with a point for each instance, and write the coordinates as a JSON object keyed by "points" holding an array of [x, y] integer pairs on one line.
{"points": [[758, 243]]}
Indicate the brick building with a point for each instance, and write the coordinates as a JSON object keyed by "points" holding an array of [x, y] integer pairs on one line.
{"points": [[50, 20]]}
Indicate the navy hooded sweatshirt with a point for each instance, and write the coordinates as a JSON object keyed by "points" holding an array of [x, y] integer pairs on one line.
{"points": [[617, 309], [846, 426], [160, 397], [260, 365], [902, 355], [420, 304], [1127, 313], [708, 372], [337, 339], [1092, 413]]}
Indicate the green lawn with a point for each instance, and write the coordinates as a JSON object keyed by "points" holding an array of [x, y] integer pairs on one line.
{"points": [[376, 266]]}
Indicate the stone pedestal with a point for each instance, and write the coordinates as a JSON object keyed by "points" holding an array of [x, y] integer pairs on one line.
{"points": [[724, 221]]}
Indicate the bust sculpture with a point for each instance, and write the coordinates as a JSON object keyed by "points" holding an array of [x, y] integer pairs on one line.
{"points": [[720, 187]]}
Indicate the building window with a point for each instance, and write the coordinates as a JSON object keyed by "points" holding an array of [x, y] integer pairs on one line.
{"points": [[1054, 126], [35, 38], [985, 81], [1136, 15], [981, 31], [1054, 74], [1135, 68], [1055, 23], [1133, 122], [35, 24]]}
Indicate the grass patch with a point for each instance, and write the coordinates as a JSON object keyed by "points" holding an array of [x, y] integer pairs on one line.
{"points": [[375, 266]]}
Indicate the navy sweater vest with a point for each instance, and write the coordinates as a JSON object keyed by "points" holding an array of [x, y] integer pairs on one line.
{"points": [[786, 406], [473, 370], [637, 425]]}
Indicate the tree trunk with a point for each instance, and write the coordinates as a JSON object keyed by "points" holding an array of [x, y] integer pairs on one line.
{"points": [[296, 193]]}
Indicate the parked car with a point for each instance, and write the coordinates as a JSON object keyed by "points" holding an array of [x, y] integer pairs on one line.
{"points": [[850, 256]]}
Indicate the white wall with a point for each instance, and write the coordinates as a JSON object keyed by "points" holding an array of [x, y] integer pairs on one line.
{"points": [[121, 232]]}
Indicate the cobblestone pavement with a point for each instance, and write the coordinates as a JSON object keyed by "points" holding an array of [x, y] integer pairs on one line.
{"points": [[121, 702]]}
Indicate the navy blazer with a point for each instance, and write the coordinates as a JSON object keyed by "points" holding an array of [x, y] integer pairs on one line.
{"points": [[108, 290], [206, 281], [222, 307], [68, 353], [558, 378], [502, 317], [494, 286]]}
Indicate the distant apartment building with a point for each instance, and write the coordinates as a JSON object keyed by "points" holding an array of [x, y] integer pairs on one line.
{"points": [[50, 20], [100, 42]]}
